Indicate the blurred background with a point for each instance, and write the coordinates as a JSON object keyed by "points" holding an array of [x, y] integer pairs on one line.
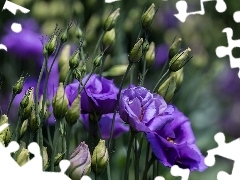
{"points": [[209, 93]]}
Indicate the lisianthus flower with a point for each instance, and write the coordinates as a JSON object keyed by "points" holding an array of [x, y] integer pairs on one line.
{"points": [[144, 111], [105, 124], [175, 144], [25, 44], [161, 55], [100, 94]]}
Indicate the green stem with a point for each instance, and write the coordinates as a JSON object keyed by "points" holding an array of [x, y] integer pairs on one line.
{"points": [[55, 142], [10, 103], [116, 106], [90, 74], [49, 137], [108, 172], [147, 167], [69, 130], [17, 130], [130, 144], [31, 137], [98, 44], [67, 79], [102, 65], [136, 160], [160, 80]]}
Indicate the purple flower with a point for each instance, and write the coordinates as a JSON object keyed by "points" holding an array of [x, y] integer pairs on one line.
{"points": [[100, 94], [144, 111], [175, 144], [105, 124], [161, 55], [25, 44]]}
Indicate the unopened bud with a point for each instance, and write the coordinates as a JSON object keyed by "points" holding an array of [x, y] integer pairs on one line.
{"points": [[100, 157], [23, 129], [33, 122], [64, 36], [79, 33], [179, 60], [167, 89], [60, 103], [64, 56], [174, 48], [5, 134], [73, 112], [80, 162], [109, 39], [22, 156], [58, 157], [45, 157], [17, 88], [148, 16], [111, 20], [98, 61], [150, 55], [136, 52], [179, 78], [26, 110], [74, 60], [51, 45]]}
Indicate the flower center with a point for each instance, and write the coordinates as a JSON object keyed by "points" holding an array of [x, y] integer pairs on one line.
{"points": [[170, 140]]}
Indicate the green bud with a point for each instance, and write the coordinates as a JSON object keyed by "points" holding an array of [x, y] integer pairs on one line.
{"points": [[5, 134], [17, 88], [60, 103], [174, 48], [100, 157], [111, 20], [45, 157], [23, 129], [109, 39], [98, 61], [64, 36], [179, 78], [73, 112], [179, 60], [23, 156], [136, 52], [74, 60], [51, 45], [64, 56], [116, 70], [146, 45], [167, 89], [148, 16], [77, 74], [79, 33], [150, 55], [40, 106], [26, 110], [63, 73], [33, 122]]}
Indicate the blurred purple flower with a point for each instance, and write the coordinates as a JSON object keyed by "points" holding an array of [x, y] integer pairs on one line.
{"points": [[144, 111], [25, 44], [105, 124], [161, 55], [174, 143], [166, 18], [100, 94]]}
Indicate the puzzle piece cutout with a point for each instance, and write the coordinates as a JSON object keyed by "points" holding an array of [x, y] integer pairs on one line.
{"points": [[177, 171], [16, 27], [182, 7], [222, 51], [227, 150]]}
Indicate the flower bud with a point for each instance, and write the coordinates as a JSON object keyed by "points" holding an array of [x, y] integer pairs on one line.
{"points": [[74, 60], [148, 16], [23, 129], [150, 55], [17, 88], [45, 108], [179, 60], [22, 156], [64, 36], [109, 39], [33, 122], [79, 33], [179, 78], [167, 89], [80, 162], [29, 101], [5, 134], [77, 74], [51, 45], [146, 45], [98, 61], [73, 112], [100, 157], [116, 70], [174, 48], [136, 52], [64, 56], [111, 20], [60, 103], [45, 157]]}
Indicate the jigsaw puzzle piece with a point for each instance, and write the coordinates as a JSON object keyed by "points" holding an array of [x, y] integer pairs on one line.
{"points": [[159, 178], [177, 171], [236, 16]]}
